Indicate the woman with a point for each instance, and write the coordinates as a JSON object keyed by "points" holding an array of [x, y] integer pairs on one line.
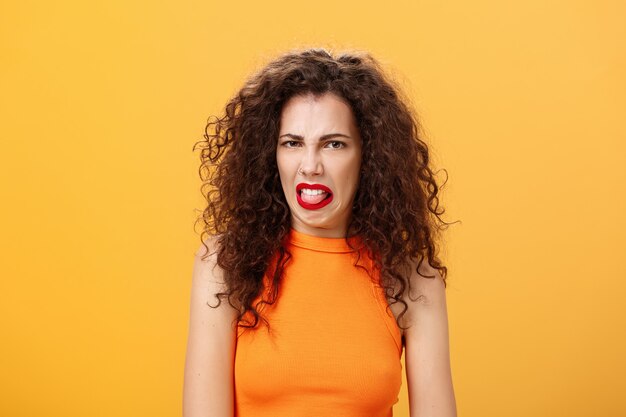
{"points": [[318, 263]]}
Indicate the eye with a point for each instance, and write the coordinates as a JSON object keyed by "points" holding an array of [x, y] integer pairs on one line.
{"points": [[335, 144], [291, 143]]}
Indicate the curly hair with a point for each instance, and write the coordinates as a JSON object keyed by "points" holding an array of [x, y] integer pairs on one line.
{"points": [[246, 208]]}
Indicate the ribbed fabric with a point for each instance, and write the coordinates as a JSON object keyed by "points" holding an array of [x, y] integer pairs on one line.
{"points": [[333, 349]]}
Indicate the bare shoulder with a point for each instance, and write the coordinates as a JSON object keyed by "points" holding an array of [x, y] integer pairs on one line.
{"points": [[425, 291], [208, 277], [427, 284], [205, 266], [207, 251]]}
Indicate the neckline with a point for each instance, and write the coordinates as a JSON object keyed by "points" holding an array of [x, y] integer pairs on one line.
{"points": [[323, 244]]}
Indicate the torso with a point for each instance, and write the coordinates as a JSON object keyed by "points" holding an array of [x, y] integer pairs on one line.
{"points": [[330, 328]]}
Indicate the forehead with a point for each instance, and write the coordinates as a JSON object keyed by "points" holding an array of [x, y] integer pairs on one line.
{"points": [[314, 114]]}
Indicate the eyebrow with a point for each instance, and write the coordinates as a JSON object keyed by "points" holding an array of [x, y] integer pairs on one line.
{"points": [[322, 138]]}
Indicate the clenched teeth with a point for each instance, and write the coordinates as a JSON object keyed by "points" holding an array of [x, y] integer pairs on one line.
{"points": [[308, 191]]}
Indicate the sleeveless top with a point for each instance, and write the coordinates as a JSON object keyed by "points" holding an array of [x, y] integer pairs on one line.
{"points": [[333, 347]]}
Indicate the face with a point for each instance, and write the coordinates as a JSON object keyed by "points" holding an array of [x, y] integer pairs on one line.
{"points": [[319, 160]]}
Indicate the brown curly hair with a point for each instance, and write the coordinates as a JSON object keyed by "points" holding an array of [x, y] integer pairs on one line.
{"points": [[247, 210]]}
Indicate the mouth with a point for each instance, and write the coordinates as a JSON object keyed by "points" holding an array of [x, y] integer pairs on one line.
{"points": [[313, 196]]}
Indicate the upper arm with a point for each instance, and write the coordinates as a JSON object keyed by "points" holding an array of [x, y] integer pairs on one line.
{"points": [[427, 352], [209, 363]]}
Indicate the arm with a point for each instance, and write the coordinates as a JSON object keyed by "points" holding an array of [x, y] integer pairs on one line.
{"points": [[208, 383], [427, 354]]}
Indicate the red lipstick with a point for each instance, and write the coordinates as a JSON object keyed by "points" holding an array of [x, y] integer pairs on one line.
{"points": [[316, 206]]}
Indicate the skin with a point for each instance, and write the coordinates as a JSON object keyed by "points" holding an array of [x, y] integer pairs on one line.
{"points": [[319, 143]]}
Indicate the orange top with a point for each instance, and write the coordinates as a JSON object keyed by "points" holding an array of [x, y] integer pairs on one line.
{"points": [[333, 348]]}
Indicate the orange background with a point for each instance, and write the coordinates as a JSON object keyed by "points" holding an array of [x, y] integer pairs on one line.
{"points": [[101, 102]]}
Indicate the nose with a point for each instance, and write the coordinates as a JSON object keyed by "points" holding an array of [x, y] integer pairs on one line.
{"points": [[311, 163]]}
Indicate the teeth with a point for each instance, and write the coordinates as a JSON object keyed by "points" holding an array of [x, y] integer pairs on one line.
{"points": [[312, 192]]}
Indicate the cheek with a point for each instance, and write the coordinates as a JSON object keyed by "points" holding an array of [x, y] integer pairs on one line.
{"points": [[280, 163], [284, 170], [356, 174], [350, 175], [353, 169]]}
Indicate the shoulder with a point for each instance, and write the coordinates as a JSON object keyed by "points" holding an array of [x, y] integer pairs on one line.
{"points": [[208, 276], [207, 248], [425, 289], [426, 279], [205, 259]]}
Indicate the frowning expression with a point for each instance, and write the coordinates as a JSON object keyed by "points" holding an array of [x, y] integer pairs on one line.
{"points": [[319, 159]]}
